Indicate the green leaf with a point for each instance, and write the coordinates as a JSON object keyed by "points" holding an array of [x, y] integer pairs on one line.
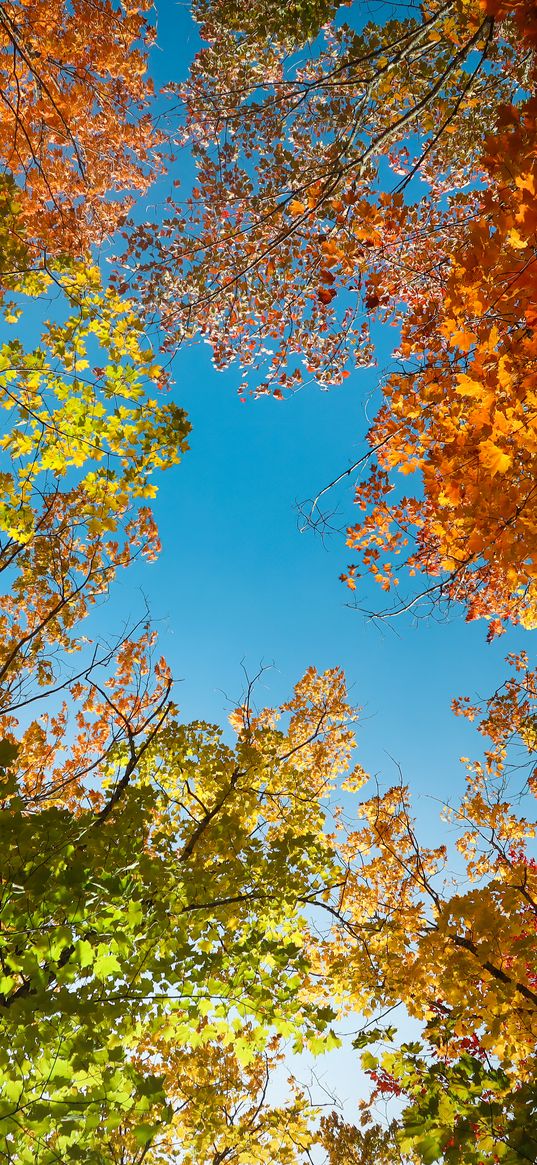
{"points": [[84, 953], [144, 1133], [8, 753], [106, 965]]}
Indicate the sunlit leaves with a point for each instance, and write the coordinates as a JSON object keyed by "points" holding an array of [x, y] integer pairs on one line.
{"points": [[463, 410], [291, 152], [157, 930], [74, 127], [79, 402], [294, 22]]}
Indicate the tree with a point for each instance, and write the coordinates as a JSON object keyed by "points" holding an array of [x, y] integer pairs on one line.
{"points": [[68, 412], [174, 909], [462, 410], [293, 244], [286, 212], [466, 1106], [76, 133], [346, 1144], [156, 924], [296, 23], [221, 1110], [461, 960], [81, 444]]}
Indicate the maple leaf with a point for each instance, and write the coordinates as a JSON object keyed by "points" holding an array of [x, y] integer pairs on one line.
{"points": [[467, 386], [463, 339], [494, 458]]}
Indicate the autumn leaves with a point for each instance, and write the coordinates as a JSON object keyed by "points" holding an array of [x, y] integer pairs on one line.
{"points": [[465, 414], [76, 132]]}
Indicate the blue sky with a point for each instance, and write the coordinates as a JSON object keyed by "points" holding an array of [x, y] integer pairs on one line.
{"points": [[238, 585]]}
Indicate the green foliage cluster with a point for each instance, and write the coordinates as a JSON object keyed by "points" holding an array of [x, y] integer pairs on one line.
{"points": [[293, 23], [133, 924]]}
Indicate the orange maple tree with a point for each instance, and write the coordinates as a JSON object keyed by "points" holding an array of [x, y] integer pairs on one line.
{"points": [[464, 409], [76, 133]]}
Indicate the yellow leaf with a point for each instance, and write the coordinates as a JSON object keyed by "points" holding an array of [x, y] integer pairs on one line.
{"points": [[493, 458], [516, 240], [526, 182], [504, 376], [468, 387]]}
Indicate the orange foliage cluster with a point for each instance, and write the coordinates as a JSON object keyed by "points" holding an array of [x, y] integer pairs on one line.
{"points": [[56, 579], [75, 131], [465, 411]]}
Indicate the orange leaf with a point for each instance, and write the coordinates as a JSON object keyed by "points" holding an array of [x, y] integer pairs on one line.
{"points": [[462, 339], [493, 458], [468, 387]]}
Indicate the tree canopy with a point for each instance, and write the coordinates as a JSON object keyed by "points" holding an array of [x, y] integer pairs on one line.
{"points": [[183, 905], [383, 173]]}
